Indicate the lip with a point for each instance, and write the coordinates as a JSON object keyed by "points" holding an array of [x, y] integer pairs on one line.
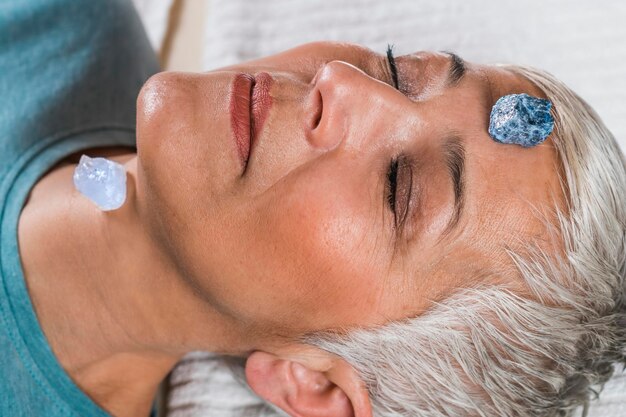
{"points": [[250, 102]]}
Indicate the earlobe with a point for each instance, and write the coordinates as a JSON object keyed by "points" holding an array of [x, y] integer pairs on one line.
{"points": [[295, 388]]}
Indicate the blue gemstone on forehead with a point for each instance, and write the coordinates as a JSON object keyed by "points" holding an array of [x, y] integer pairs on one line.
{"points": [[521, 119]]}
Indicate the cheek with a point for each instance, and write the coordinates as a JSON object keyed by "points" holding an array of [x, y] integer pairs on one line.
{"points": [[185, 160], [314, 250]]}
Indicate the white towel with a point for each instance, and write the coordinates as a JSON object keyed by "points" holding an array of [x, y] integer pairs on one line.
{"points": [[612, 400], [155, 16]]}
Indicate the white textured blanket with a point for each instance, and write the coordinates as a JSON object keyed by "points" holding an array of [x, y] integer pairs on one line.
{"points": [[155, 15]]}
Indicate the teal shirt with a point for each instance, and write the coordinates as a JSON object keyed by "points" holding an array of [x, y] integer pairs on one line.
{"points": [[70, 72]]}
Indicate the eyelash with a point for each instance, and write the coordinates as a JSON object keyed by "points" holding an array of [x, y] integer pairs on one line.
{"points": [[392, 172], [392, 177], [392, 66]]}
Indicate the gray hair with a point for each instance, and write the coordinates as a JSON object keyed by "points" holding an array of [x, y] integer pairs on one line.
{"points": [[488, 351]]}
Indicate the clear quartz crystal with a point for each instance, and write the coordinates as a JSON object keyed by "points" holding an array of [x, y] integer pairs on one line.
{"points": [[102, 181]]}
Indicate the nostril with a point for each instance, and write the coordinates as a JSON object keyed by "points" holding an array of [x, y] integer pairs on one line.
{"points": [[318, 108]]}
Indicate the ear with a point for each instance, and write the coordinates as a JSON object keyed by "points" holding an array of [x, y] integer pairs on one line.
{"points": [[308, 388]]}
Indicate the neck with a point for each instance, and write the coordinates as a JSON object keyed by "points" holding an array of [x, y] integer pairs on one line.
{"points": [[114, 310]]}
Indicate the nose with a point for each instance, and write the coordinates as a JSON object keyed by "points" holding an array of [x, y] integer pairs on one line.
{"points": [[340, 101]]}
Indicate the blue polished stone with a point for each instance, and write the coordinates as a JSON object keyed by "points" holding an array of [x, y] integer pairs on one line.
{"points": [[102, 181], [521, 119]]}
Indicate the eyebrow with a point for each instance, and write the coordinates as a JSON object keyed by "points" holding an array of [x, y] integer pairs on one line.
{"points": [[457, 69], [454, 158]]}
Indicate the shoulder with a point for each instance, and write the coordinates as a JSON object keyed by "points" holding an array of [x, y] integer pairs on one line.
{"points": [[67, 66]]}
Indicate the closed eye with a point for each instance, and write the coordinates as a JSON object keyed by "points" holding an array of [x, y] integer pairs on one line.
{"points": [[392, 183], [398, 188], [399, 180]]}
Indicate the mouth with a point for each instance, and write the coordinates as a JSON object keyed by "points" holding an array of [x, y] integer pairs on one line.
{"points": [[250, 102]]}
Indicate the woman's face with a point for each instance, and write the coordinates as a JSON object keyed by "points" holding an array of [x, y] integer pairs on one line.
{"points": [[359, 203]]}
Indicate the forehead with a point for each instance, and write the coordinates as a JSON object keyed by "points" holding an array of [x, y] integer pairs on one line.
{"points": [[503, 80], [507, 180], [507, 187]]}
